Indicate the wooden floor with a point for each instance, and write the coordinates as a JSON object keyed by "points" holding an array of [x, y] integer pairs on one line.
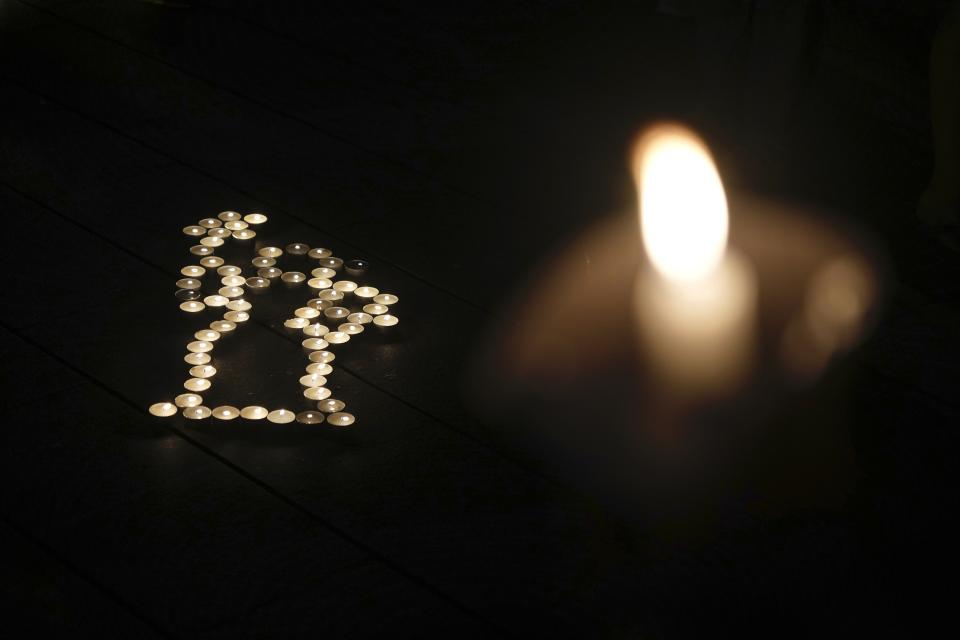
{"points": [[452, 152]]}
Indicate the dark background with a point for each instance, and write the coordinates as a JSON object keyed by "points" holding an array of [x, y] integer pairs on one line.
{"points": [[454, 146]]}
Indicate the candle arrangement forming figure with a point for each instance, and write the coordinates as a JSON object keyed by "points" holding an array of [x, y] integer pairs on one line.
{"points": [[318, 337]]}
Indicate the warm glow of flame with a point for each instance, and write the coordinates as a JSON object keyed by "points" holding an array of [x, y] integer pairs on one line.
{"points": [[683, 208]]}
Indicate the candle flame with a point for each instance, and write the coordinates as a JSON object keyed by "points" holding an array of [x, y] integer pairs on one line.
{"points": [[683, 207]]}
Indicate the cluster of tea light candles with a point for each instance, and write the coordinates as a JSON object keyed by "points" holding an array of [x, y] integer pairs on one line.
{"points": [[213, 232]]}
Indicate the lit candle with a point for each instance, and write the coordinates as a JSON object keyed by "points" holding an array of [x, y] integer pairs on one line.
{"points": [[322, 357], [352, 328], [331, 263], [315, 330], [235, 225], [296, 323], [253, 412], [211, 261], [321, 368], [208, 335], [341, 419], [231, 292], [386, 299], [319, 252], [313, 380], [192, 306], [216, 301], [188, 283], [261, 261], [281, 416], [336, 313], [269, 272], [270, 252], [315, 343], [375, 309], [210, 223], [366, 292], [220, 232], [695, 298], [188, 400], [239, 305], [330, 405], [227, 216], [195, 230], [297, 249], [163, 409], [203, 371], [196, 413], [316, 393], [187, 294], [344, 286], [330, 295], [244, 234], [293, 277], [306, 312], [211, 241], [232, 281], [200, 250], [197, 358], [193, 271], [356, 267], [229, 270], [236, 316], [319, 304], [223, 326], [319, 283], [225, 412], [386, 320], [323, 272], [255, 218], [310, 417], [337, 337], [196, 384], [257, 283], [360, 318]]}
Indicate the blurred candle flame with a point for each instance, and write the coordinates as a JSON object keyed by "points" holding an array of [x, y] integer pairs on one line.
{"points": [[682, 204]]}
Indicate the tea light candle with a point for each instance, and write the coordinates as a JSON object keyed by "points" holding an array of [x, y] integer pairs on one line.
{"points": [[208, 335], [197, 358], [188, 400], [322, 357], [253, 412], [297, 249], [195, 230], [163, 409], [221, 233], [318, 304], [200, 250], [255, 218], [281, 416], [313, 380], [306, 312], [331, 263], [270, 252], [228, 215], [296, 323], [211, 241], [210, 223], [211, 261], [323, 272], [366, 292], [261, 261], [236, 316], [336, 313], [232, 281], [386, 299], [352, 328], [225, 412], [315, 343], [319, 283], [223, 326], [293, 277], [386, 320], [330, 295], [203, 371], [199, 346], [229, 270], [310, 417], [356, 267], [269, 272], [316, 393], [319, 252], [330, 405], [239, 305], [321, 368], [375, 309], [257, 283], [192, 306], [216, 301], [187, 294], [231, 292], [315, 330], [188, 283], [235, 225], [337, 337], [344, 286], [196, 413], [244, 234], [341, 419], [360, 318], [196, 384], [193, 271]]}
